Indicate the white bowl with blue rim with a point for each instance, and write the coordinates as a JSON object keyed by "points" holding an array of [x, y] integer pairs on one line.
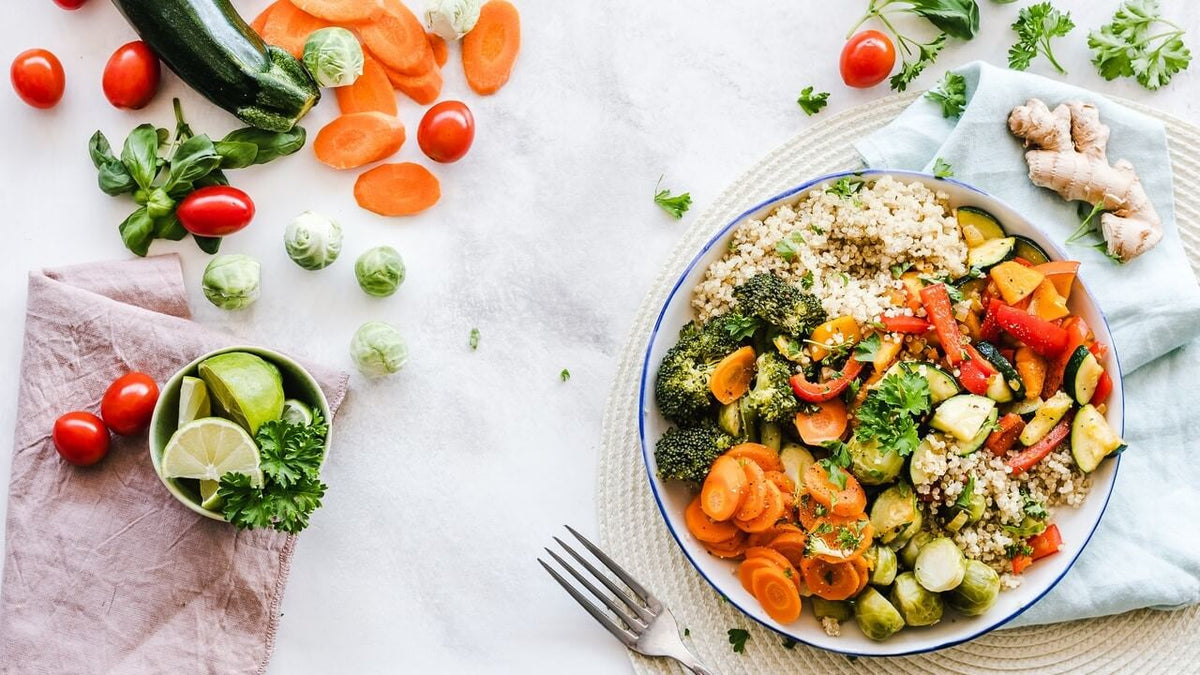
{"points": [[1076, 524]]}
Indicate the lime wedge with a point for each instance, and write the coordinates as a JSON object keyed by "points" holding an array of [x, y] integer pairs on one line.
{"points": [[193, 400], [208, 495], [246, 387], [209, 448], [296, 412]]}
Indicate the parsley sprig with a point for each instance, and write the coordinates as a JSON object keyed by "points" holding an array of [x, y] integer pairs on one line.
{"points": [[953, 18], [812, 103], [890, 412], [942, 169], [1035, 26], [1128, 47], [675, 205], [950, 94], [737, 638]]}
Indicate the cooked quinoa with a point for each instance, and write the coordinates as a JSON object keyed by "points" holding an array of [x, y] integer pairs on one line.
{"points": [[844, 247]]}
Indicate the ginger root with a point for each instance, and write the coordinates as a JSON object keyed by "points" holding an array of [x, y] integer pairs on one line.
{"points": [[1068, 156]]}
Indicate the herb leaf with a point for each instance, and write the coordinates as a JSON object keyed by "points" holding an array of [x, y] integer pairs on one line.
{"points": [[1035, 26], [812, 103], [140, 155], [674, 205], [1125, 47], [866, 348], [951, 94], [787, 246], [910, 70], [956, 18], [473, 340], [888, 415], [269, 145], [739, 326], [942, 168], [565, 375], [737, 638]]}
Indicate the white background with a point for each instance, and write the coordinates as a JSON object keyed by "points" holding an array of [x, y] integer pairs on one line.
{"points": [[447, 479]]}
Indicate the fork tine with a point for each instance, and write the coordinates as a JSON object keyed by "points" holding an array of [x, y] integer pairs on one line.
{"points": [[632, 622], [625, 636], [645, 595], [616, 590]]}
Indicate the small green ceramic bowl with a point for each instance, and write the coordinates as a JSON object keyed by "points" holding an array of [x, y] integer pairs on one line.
{"points": [[297, 384]]}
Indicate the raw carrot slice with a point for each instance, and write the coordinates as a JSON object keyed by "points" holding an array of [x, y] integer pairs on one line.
{"points": [[398, 39], [371, 92], [790, 545], [288, 28], [424, 87], [350, 141], [766, 458], [776, 593], [402, 189], [842, 501], [778, 559], [731, 378], [441, 53], [731, 548], [756, 492], [341, 11], [841, 539], [723, 489], [766, 536], [831, 581], [706, 529], [773, 510], [748, 567], [490, 49], [826, 423], [260, 21]]}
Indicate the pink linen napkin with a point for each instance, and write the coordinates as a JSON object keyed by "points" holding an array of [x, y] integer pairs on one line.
{"points": [[103, 570]]}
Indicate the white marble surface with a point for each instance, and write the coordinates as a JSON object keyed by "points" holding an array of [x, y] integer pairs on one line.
{"points": [[448, 479]]}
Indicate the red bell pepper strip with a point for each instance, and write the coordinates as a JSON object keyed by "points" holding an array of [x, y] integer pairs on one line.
{"points": [[973, 355], [818, 392], [973, 377], [1078, 333], [1005, 436], [936, 300], [1020, 562], [990, 330], [1046, 543], [1039, 335], [1104, 388], [1035, 453], [1099, 350], [905, 324]]}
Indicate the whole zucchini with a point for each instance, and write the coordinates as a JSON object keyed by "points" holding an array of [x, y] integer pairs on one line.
{"points": [[211, 48]]}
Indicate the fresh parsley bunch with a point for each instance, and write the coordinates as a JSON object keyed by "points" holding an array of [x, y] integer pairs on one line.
{"points": [[951, 94], [890, 412], [1035, 26], [1129, 47]]}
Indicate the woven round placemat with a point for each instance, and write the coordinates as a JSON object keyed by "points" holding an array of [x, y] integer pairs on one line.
{"points": [[631, 529]]}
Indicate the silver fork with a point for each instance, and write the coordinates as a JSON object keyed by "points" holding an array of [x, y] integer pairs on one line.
{"points": [[643, 624]]}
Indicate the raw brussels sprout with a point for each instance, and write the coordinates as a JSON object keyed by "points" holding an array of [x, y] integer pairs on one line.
{"points": [[875, 616], [940, 565], [918, 606], [333, 57], [872, 464], [313, 241], [881, 560], [908, 554], [232, 281], [451, 19], [837, 609], [978, 591], [378, 349], [380, 271]]}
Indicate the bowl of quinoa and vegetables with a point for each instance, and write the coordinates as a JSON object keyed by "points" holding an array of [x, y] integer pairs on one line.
{"points": [[880, 414]]}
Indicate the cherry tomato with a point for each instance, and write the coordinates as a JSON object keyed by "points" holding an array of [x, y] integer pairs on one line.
{"points": [[131, 76], [867, 59], [129, 403], [37, 76], [80, 438], [215, 211], [447, 131], [70, 4]]}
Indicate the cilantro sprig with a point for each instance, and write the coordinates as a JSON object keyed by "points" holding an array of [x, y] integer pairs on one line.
{"points": [[674, 205], [1035, 26], [1129, 45], [942, 169]]}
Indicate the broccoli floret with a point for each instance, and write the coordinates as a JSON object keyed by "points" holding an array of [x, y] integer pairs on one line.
{"points": [[775, 301], [686, 453], [772, 397], [682, 385]]}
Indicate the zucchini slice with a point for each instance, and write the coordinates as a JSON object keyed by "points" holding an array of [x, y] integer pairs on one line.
{"points": [[982, 222], [989, 351], [991, 253], [1025, 406], [1082, 374], [1047, 415], [941, 385], [963, 416], [967, 447], [1092, 439], [1028, 250], [998, 390]]}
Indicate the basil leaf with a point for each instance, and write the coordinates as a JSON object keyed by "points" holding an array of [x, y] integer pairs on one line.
{"points": [[194, 159], [236, 154], [271, 144], [169, 227], [215, 178], [115, 180], [137, 232], [100, 151], [159, 204], [140, 154], [956, 18], [209, 245]]}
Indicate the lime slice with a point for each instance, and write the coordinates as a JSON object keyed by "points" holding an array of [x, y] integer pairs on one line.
{"points": [[194, 402], [208, 495], [209, 448], [296, 412], [246, 387]]}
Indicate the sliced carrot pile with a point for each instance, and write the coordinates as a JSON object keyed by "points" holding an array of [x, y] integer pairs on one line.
{"points": [[288, 27], [397, 38], [341, 11], [791, 545], [755, 501], [773, 510], [402, 189], [489, 51], [776, 593], [424, 87], [842, 501], [776, 559], [706, 529], [260, 21], [354, 140], [371, 92], [733, 547], [766, 536], [441, 52], [730, 380], [723, 489], [766, 458], [809, 510]]}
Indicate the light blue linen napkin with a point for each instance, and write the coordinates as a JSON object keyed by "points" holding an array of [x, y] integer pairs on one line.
{"points": [[1146, 552]]}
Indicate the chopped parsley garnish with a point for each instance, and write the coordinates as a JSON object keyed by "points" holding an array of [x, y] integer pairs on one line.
{"points": [[473, 340], [951, 94], [899, 269], [675, 205], [866, 348], [786, 247], [565, 375], [968, 491], [847, 540], [888, 415], [806, 281], [1033, 508], [942, 168], [845, 186], [740, 326], [737, 638], [812, 103]]}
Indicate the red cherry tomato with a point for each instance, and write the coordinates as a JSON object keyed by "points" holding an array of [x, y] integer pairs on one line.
{"points": [[129, 403], [867, 59], [131, 76], [80, 438], [37, 76], [70, 4], [215, 211], [447, 131]]}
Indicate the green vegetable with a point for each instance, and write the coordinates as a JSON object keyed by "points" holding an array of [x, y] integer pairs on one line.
{"points": [[951, 94], [313, 241], [953, 18], [942, 168], [686, 453], [909, 552], [812, 103], [378, 349], [380, 271], [836, 609], [772, 398], [877, 618], [940, 565], [882, 562], [681, 385], [232, 281], [872, 462], [674, 205], [891, 411], [893, 511], [845, 187], [737, 638], [473, 340], [918, 606], [451, 19], [333, 56], [978, 591], [565, 375], [1035, 26], [774, 301], [212, 49], [1132, 45]]}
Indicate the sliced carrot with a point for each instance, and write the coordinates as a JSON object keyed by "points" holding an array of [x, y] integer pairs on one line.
{"points": [[826, 423], [489, 51], [371, 92], [831, 581], [756, 492], [731, 378], [847, 501], [402, 189], [763, 538], [397, 38], [706, 529], [341, 11], [723, 489], [809, 511], [731, 548], [844, 538], [260, 21], [764, 457], [749, 566], [423, 87], [288, 27], [779, 561], [776, 593], [773, 511], [787, 488], [351, 141], [864, 573], [790, 545], [441, 53]]}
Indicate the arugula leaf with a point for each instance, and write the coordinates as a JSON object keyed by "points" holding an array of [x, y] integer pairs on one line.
{"points": [[942, 168], [812, 103], [675, 205], [1035, 26], [951, 94], [1125, 47], [865, 349], [737, 638]]}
